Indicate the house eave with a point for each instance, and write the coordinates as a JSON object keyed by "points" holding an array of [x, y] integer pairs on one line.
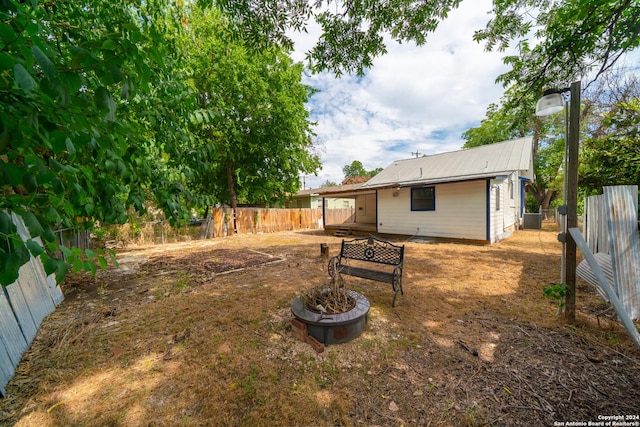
{"points": [[434, 181]]}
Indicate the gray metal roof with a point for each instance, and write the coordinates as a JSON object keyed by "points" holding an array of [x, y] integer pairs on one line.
{"points": [[473, 163]]}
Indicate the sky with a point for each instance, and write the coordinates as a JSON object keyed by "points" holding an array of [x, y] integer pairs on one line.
{"points": [[413, 99]]}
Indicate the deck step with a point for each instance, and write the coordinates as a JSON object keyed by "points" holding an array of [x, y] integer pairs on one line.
{"points": [[342, 232]]}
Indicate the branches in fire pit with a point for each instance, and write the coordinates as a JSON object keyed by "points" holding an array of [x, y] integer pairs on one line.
{"points": [[331, 299]]}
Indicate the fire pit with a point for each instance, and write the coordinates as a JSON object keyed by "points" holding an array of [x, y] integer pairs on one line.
{"points": [[334, 328]]}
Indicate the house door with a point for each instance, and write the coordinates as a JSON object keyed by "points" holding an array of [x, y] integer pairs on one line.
{"points": [[366, 209]]}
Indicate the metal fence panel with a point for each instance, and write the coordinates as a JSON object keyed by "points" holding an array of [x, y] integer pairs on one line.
{"points": [[624, 244], [595, 224], [23, 306], [10, 333]]}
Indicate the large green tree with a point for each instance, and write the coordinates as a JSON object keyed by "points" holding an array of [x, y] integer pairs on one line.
{"points": [[87, 88], [356, 173], [253, 118]]}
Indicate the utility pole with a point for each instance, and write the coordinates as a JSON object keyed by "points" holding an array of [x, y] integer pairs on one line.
{"points": [[572, 200], [417, 153]]}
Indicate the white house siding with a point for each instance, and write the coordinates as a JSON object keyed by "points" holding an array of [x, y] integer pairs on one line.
{"points": [[460, 212], [505, 219], [338, 203]]}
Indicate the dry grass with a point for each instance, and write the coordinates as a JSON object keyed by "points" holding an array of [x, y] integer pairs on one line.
{"points": [[170, 340]]}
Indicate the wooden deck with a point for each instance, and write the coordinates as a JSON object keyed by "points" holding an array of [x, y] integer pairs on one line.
{"points": [[350, 229]]}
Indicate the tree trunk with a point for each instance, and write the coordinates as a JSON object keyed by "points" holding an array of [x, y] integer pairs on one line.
{"points": [[233, 197], [543, 196]]}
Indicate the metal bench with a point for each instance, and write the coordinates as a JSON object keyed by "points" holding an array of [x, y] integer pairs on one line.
{"points": [[370, 258]]}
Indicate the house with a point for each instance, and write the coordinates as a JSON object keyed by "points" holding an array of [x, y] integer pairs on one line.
{"points": [[310, 198], [475, 195]]}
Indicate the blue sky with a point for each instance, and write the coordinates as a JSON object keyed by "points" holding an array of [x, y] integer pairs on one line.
{"points": [[413, 99]]}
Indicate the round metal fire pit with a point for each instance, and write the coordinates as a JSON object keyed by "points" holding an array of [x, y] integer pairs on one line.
{"points": [[334, 328]]}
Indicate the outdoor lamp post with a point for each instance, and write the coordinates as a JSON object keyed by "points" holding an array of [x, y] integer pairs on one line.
{"points": [[550, 103]]}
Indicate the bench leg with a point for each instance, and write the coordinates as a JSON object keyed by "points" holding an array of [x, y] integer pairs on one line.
{"points": [[395, 295]]}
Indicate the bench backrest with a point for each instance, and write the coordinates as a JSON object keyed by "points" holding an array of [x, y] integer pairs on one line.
{"points": [[372, 249]]}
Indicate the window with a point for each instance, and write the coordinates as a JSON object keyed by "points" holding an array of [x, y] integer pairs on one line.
{"points": [[498, 198], [423, 199], [511, 188]]}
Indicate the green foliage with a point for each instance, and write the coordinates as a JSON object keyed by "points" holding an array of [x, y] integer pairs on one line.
{"points": [[531, 204], [574, 38], [328, 183], [510, 119], [614, 158], [352, 32], [356, 168], [254, 134], [355, 172], [513, 118], [83, 87], [556, 292]]}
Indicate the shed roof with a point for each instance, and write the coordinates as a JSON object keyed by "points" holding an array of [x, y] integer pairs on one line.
{"points": [[471, 163]]}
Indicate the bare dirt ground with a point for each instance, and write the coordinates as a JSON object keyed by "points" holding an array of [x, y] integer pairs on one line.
{"points": [[199, 333]]}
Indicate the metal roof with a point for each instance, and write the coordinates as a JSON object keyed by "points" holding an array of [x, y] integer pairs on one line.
{"points": [[472, 163]]}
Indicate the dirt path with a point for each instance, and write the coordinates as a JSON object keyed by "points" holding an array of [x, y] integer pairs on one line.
{"points": [[199, 334]]}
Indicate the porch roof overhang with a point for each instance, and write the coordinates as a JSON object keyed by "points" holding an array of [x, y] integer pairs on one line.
{"points": [[347, 194], [350, 190]]}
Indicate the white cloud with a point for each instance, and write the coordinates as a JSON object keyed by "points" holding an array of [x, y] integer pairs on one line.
{"points": [[413, 98]]}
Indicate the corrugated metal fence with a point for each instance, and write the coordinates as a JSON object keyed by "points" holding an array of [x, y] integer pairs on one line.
{"points": [[23, 306], [611, 234], [595, 224]]}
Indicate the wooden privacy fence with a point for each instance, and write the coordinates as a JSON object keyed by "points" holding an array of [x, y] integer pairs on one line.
{"points": [[339, 216], [260, 220], [220, 223]]}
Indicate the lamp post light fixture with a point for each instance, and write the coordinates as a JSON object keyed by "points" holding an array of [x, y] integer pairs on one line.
{"points": [[550, 103]]}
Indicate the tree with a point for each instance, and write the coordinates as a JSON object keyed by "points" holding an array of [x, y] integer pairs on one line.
{"points": [[355, 173], [253, 123], [504, 121], [352, 31], [511, 120], [68, 158], [614, 158], [355, 169], [328, 183], [574, 38]]}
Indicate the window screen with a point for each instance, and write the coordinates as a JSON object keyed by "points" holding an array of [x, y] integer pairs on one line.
{"points": [[423, 199]]}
